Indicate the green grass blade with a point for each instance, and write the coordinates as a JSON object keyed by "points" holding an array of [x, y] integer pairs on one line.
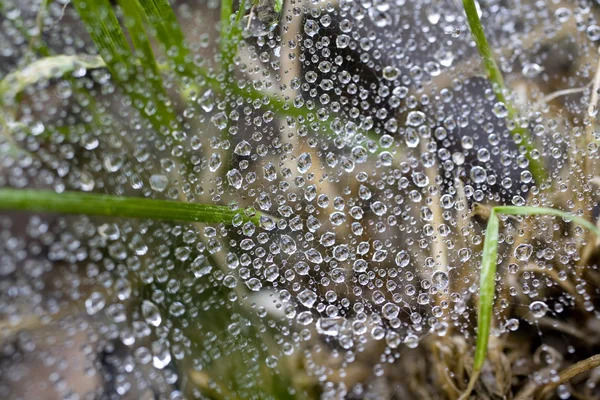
{"points": [[488, 272], [117, 206], [168, 32], [486, 297], [515, 210], [145, 56], [135, 27], [536, 166], [44, 69], [227, 40], [103, 26], [486, 289]]}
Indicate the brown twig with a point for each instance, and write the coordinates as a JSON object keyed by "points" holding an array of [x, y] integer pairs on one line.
{"points": [[567, 374]]}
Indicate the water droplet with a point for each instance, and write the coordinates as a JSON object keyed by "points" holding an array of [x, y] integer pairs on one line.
{"points": [[593, 32], [235, 179], [390, 73], [531, 70], [304, 163], [311, 27], [254, 284], [304, 318], [95, 303], [538, 309], [440, 280], [342, 41], [161, 355], [159, 182], [214, 163], [523, 252], [390, 311], [478, 174], [402, 259], [220, 120], [307, 297], [329, 326], [151, 313], [243, 148], [271, 361]]}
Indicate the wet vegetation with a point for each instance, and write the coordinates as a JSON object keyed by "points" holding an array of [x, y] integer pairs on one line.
{"points": [[299, 199]]}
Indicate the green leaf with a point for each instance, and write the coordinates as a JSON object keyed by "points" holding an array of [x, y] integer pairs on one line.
{"points": [[117, 206]]}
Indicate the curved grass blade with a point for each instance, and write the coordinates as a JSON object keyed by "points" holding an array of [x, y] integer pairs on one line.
{"points": [[536, 166], [515, 210], [43, 69], [488, 272], [118, 206]]}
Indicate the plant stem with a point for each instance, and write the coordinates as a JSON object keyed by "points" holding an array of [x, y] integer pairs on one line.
{"points": [[536, 166], [569, 373], [117, 206]]}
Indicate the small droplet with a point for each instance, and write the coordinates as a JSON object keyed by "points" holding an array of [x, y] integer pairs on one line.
{"points": [[538, 309], [329, 326], [307, 297], [523, 252], [235, 179], [311, 27], [304, 163], [531, 70], [415, 118], [391, 73], [243, 148], [151, 313], [95, 303], [159, 182]]}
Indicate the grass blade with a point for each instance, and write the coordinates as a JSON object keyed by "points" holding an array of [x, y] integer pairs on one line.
{"points": [[104, 28], [135, 27], [486, 297], [515, 210], [162, 19], [536, 166], [231, 35], [488, 272], [44, 69], [101, 22], [145, 56], [486, 288], [117, 206]]}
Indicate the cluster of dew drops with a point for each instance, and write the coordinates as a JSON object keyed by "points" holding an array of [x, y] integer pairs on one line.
{"points": [[356, 198]]}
